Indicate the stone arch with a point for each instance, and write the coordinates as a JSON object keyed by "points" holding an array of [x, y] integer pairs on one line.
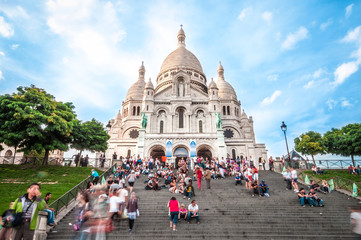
{"points": [[233, 128], [156, 151], [205, 150], [8, 154], [126, 131]]}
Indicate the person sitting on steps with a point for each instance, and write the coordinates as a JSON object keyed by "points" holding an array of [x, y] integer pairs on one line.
{"points": [[303, 198], [316, 200], [189, 191], [263, 189], [193, 212]]}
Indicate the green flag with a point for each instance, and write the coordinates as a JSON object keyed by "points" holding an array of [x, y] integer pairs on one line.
{"points": [[103, 181], [284, 170], [354, 190], [307, 181], [332, 184], [114, 170]]}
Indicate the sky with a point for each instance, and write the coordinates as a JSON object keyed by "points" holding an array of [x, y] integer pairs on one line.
{"points": [[292, 61]]}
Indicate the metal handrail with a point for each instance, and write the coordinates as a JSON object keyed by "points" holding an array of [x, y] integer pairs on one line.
{"points": [[66, 198], [339, 182]]}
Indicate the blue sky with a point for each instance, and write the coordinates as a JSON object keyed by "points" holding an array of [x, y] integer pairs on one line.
{"points": [[292, 61]]}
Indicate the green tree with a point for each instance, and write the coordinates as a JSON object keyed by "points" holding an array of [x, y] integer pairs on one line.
{"points": [[89, 135], [345, 141], [310, 143], [41, 122]]}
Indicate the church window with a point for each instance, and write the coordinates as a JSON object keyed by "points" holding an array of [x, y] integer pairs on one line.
{"points": [[148, 93], [213, 92], [138, 111], [147, 107], [228, 111], [235, 111], [200, 127], [224, 110], [181, 118], [214, 107], [181, 88], [129, 153], [161, 127], [134, 110], [233, 154]]}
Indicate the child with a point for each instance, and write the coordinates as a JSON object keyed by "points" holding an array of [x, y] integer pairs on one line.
{"points": [[183, 212], [237, 178]]}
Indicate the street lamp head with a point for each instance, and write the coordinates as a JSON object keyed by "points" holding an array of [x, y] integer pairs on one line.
{"points": [[284, 126], [108, 126]]}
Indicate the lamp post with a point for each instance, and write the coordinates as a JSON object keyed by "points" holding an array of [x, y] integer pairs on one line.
{"points": [[107, 128], [284, 129]]}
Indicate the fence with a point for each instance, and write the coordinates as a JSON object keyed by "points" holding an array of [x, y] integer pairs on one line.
{"points": [[336, 164], [67, 197], [339, 182]]}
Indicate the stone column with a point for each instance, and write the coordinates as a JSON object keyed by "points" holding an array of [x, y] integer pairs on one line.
{"points": [[222, 150], [140, 145], [40, 231]]}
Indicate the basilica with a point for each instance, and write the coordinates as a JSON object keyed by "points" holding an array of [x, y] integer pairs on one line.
{"points": [[182, 115]]}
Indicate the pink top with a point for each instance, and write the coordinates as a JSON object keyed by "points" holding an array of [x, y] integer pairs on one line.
{"points": [[173, 206], [183, 210]]}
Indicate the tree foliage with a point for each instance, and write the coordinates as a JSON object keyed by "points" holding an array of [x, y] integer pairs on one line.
{"points": [[345, 141], [32, 119], [310, 143], [89, 135]]}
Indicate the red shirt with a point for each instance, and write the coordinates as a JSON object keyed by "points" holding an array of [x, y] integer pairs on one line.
{"points": [[199, 173], [173, 206]]}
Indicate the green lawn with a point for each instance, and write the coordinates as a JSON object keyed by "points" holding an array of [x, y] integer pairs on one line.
{"points": [[15, 179], [332, 173]]}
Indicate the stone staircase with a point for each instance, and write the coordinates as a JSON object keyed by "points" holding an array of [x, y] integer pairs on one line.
{"points": [[230, 212]]}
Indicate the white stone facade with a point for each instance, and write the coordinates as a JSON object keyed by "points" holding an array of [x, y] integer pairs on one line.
{"points": [[182, 107]]}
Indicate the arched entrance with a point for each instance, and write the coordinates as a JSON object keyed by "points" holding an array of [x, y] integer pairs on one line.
{"points": [[205, 152], [179, 153], [157, 152]]}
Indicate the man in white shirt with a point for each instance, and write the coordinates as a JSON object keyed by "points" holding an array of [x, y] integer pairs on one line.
{"points": [[294, 179], [123, 198], [193, 212], [287, 177], [114, 201]]}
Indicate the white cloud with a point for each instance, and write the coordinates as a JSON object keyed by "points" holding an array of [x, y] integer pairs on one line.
{"points": [[244, 13], [14, 12], [331, 104], [318, 73], [348, 10], [309, 85], [5, 29], [268, 100], [272, 78], [267, 16], [293, 38], [345, 103], [1, 75], [14, 46], [344, 71], [353, 35], [2, 54], [324, 25]]}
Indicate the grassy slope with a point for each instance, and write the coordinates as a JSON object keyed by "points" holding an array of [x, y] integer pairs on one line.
{"points": [[341, 173], [66, 178]]}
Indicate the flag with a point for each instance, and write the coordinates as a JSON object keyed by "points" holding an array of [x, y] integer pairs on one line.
{"points": [[354, 190], [332, 184], [284, 170], [307, 181], [103, 181], [114, 170]]}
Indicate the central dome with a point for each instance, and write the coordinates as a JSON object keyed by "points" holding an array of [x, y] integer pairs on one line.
{"points": [[181, 57]]}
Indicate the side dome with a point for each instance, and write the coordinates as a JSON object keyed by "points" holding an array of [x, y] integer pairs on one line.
{"points": [[225, 90], [136, 91]]}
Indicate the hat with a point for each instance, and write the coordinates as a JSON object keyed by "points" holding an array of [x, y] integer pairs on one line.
{"points": [[262, 181], [132, 171]]}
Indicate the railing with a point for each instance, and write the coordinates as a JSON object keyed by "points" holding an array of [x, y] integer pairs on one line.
{"points": [[67, 197], [28, 160], [92, 162], [336, 164], [339, 182]]}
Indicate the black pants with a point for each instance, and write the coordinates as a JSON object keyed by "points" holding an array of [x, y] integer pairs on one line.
{"points": [[289, 185], [24, 232], [131, 223]]}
